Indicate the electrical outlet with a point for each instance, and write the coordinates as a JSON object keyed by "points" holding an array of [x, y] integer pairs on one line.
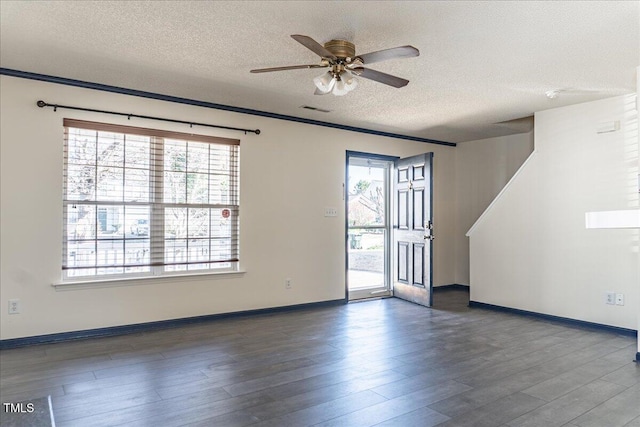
{"points": [[330, 212], [287, 283], [619, 299], [14, 306], [610, 298]]}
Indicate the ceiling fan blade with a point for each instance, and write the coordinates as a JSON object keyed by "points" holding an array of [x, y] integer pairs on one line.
{"points": [[380, 77], [313, 45], [289, 67], [386, 54]]}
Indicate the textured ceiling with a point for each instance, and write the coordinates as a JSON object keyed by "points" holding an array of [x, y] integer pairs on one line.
{"points": [[481, 63]]}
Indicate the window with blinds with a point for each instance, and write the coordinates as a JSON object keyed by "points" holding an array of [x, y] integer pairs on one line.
{"points": [[145, 202]]}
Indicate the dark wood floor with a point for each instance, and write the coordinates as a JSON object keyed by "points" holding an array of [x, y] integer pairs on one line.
{"points": [[383, 362]]}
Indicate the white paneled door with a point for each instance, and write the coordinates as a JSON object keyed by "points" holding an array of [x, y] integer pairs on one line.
{"points": [[413, 229]]}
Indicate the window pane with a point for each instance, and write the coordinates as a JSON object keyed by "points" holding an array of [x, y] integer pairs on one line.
{"points": [[220, 249], [197, 188], [221, 226], [137, 222], [110, 149], [198, 157], [175, 155], [81, 254], [81, 222], [175, 251], [80, 182], [110, 184], [198, 250], [110, 253], [220, 193], [110, 270], [175, 187], [175, 223], [138, 270], [136, 185], [198, 222], [220, 156], [81, 146], [81, 272], [137, 151], [110, 222], [137, 252]]}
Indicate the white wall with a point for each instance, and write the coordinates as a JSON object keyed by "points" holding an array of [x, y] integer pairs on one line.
{"points": [[531, 251], [482, 169], [289, 173]]}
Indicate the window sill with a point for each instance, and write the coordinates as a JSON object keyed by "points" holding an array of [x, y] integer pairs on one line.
{"points": [[146, 280]]}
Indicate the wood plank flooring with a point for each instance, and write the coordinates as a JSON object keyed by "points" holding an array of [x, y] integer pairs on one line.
{"points": [[374, 363]]}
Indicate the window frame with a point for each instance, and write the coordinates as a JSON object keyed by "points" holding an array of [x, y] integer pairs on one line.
{"points": [[156, 205]]}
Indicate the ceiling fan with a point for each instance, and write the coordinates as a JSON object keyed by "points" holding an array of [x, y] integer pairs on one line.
{"points": [[339, 56]]}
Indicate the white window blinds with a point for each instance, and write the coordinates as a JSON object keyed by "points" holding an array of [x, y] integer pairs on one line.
{"points": [[140, 202]]}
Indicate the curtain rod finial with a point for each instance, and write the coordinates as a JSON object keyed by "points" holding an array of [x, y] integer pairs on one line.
{"points": [[41, 103], [257, 131]]}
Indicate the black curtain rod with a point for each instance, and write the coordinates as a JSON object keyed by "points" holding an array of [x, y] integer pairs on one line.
{"points": [[43, 104]]}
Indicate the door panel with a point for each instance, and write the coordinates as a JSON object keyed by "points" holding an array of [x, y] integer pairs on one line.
{"points": [[418, 172], [403, 209], [412, 229], [418, 264], [403, 262], [403, 174], [419, 220]]}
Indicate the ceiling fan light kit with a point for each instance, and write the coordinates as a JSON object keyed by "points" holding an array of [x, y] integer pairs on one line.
{"points": [[343, 63], [338, 83], [325, 82]]}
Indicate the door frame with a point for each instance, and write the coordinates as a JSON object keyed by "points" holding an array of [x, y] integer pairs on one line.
{"points": [[345, 196]]}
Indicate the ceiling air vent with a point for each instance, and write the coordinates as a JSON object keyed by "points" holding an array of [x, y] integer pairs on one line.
{"points": [[307, 107]]}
